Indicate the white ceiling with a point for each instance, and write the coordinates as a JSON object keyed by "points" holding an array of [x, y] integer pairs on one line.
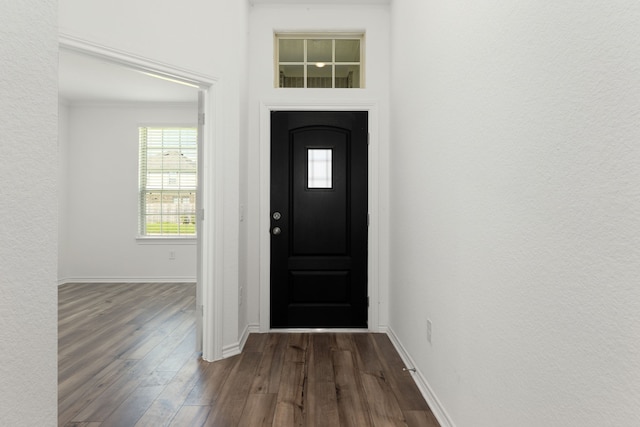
{"points": [[83, 78]]}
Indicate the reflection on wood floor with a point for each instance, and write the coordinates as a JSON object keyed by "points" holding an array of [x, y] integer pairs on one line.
{"points": [[126, 358]]}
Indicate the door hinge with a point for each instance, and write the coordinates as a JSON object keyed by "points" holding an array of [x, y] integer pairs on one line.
{"points": [[367, 301], [368, 219], [368, 138], [201, 119], [201, 214]]}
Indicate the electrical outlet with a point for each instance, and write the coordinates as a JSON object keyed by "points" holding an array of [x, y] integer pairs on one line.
{"points": [[429, 331], [240, 295], [172, 255]]}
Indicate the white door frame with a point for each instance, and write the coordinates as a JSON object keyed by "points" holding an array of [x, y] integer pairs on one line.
{"points": [[373, 201], [210, 216]]}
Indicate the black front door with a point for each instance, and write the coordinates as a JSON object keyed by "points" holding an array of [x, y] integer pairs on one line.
{"points": [[318, 219]]}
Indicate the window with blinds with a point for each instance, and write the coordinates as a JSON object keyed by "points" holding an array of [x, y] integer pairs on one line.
{"points": [[168, 181]]}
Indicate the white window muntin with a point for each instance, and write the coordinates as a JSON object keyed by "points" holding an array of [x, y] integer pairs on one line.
{"points": [[305, 63]]}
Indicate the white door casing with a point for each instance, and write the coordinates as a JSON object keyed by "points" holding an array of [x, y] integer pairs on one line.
{"points": [[373, 200]]}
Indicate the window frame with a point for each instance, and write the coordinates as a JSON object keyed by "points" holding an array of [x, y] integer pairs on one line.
{"points": [[175, 238], [360, 36]]}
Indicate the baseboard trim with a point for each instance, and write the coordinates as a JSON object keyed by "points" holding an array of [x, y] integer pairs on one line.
{"points": [[111, 279], [243, 338], [231, 350], [427, 392], [236, 348]]}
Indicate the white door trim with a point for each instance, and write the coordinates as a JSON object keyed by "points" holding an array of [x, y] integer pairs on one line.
{"points": [[210, 194], [265, 200]]}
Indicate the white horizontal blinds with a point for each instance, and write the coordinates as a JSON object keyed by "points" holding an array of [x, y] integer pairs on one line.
{"points": [[168, 181]]}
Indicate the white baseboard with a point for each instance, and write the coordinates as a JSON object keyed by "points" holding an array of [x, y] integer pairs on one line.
{"points": [[231, 350], [428, 394], [111, 279], [236, 348], [243, 337]]}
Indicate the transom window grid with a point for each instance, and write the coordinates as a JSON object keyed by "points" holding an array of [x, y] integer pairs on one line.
{"points": [[168, 181], [319, 61]]}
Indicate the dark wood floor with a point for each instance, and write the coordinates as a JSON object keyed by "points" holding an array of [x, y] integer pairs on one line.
{"points": [[126, 358]]}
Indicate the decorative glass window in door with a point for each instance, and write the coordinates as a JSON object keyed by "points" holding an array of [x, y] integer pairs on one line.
{"points": [[319, 60], [319, 168]]}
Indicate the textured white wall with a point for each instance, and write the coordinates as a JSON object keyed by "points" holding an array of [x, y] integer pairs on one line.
{"points": [[28, 218], [515, 223], [264, 20], [99, 216]]}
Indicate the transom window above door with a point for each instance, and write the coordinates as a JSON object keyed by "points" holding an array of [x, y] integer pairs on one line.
{"points": [[319, 60]]}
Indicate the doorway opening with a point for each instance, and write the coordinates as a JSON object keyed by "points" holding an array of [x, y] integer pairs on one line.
{"points": [[203, 88], [373, 196]]}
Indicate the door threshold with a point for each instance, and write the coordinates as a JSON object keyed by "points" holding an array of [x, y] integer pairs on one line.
{"points": [[318, 330]]}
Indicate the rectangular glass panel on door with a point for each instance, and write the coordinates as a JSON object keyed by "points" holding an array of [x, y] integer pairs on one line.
{"points": [[319, 168]]}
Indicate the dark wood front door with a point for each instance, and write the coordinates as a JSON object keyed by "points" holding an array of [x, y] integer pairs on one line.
{"points": [[319, 219]]}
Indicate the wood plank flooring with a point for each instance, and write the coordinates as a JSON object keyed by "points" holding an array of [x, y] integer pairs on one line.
{"points": [[126, 358]]}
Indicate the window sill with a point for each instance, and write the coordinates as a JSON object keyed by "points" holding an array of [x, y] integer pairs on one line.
{"points": [[166, 240]]}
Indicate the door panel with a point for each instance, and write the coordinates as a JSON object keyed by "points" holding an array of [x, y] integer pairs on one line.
{"points": [[320, 286], [318, 219], [320, 223]]}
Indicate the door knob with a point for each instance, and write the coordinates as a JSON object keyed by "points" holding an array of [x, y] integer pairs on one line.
{"points": [[276, 231]]}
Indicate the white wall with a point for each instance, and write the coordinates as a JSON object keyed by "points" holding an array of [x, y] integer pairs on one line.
{"points": [[100, 214], [28, 213], [200, 36], [264, 20], [515, 222]]}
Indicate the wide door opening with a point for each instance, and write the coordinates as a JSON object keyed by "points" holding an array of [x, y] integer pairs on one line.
{"points": [[91, 74], [319, 219]]}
